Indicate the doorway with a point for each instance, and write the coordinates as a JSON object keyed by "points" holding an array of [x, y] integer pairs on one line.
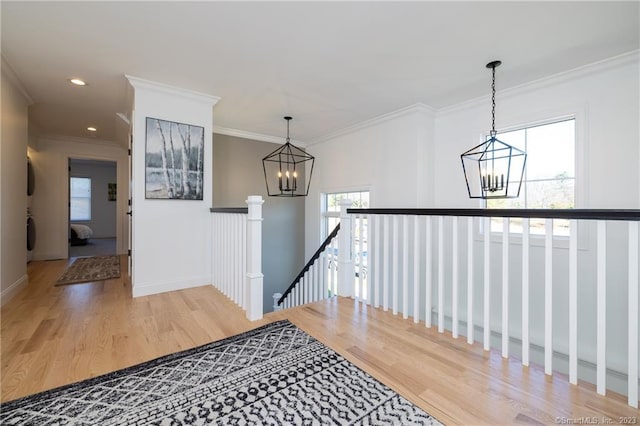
{"points": [[92, 207]]}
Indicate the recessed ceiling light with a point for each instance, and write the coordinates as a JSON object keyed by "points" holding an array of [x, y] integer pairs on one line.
{"points": [[91, 129], [78, 82]]}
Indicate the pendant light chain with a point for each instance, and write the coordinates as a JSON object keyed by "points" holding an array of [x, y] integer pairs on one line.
{"points": [[493, 103]]}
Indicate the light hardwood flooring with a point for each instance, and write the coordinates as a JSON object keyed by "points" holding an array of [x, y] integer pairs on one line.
{"points": [[51, 336]]}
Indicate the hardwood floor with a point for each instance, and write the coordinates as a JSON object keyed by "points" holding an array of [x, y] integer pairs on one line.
{"points": [[51, 336]]}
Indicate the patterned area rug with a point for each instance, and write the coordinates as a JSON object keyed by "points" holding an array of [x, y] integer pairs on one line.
{"points": [[276, 374], [88, 269]]}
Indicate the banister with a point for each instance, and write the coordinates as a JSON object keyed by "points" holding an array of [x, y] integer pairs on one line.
{"points": [[243, 210], [316, 255], [589, 214]]}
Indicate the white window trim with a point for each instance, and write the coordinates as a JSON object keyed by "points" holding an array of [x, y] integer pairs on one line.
{"points": [[323, 205]]}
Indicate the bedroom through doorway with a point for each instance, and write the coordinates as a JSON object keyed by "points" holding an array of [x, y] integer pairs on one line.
{"points": [[92, 207]]}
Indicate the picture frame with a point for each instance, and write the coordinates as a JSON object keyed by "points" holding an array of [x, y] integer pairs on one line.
{"points": [[112, 191], [174, 160]]}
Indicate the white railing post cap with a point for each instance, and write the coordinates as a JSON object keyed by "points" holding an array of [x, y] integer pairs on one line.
{"points": [[254, 199]]}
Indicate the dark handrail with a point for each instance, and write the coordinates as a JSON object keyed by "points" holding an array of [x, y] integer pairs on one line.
{"points": [[229, 210], [591, 214], [323, 246]]}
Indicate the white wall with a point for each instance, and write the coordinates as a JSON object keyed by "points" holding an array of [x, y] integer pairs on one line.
{"points": [[103, 211], [391, 156], [13, 183], [171, 238], [50, 158]]}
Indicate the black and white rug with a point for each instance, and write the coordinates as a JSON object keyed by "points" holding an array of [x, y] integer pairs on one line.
{"points": [[276, 374]]}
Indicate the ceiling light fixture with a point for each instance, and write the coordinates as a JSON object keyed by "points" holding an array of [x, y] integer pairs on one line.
{"points": [[78, 82], [285, 170], [493, 169], [91, 129]]}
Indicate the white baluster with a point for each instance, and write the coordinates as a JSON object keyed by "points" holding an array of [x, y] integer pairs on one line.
{"points": [[334, 260], [487, 284], [368, 284], [601, 308], [385, 284], [244, 262], [236, 258], [573, 301], [306, 289], [470, 297], [312, 283], [225, 266], [633, 316], [548, 297], [429, 274], [318, 285], [376, 262], [395, 268], [240, 254], [525, 290], [214, 251], [454, 277], [416, 269], [440, 274], [405, 267], [361, 257], [322, 284], [505, 287]]}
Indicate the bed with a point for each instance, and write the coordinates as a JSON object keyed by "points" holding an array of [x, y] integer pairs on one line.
{"points": [[80, 234]]}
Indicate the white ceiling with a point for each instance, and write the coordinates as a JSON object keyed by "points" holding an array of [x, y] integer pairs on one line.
{"points": [[328, 64]]}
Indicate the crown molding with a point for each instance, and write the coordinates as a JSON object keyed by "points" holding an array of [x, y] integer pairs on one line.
{"points": [[75, 139], [8, 70], [411, 109], [141, 83], [254, 136], [572, 74]]}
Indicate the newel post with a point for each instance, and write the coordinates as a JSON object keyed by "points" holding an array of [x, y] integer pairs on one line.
{"points": [[254, 258], [346, 271]]}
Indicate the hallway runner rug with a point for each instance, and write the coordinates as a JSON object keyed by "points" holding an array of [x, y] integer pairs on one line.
{"points": [[275, 374], [89, 269]]}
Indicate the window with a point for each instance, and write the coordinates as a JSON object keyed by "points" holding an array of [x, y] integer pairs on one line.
{"points": [[331, 208], [549, 177], [331, 217], [80, 198]]}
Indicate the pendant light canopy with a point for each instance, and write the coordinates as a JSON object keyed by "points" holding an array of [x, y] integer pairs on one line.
{"points": [[285, 170], [494, 169]]}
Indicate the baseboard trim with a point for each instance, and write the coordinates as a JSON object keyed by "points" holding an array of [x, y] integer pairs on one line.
{"points": [[616, 379], [147, 289], [49, 256], [13, 289]]}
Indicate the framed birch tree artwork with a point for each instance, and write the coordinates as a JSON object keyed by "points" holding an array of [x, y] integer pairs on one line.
{"points": [[174, 160]]}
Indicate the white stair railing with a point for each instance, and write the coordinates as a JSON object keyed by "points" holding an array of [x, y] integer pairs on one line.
{"points": [[237, 255], [536, 314]]}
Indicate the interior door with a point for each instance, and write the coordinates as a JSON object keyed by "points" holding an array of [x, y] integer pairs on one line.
{"points": [[130, 208]]}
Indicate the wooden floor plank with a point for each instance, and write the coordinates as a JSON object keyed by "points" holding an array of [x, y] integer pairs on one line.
{"points": [[51, 336]]}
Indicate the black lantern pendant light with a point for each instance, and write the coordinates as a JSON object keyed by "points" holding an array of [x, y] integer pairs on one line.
{"points": [[494, 169], [285, 170]]}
